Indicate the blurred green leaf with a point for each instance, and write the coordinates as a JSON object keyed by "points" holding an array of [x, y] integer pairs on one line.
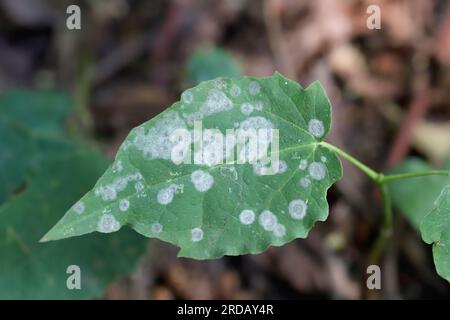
{"points": [[47, 172], [435, 229], [37, 112], [31, 130], [32, 270], [415, 197], [216, 207], [209, 64]]}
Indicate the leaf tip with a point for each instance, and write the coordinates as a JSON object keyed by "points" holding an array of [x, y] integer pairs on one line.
{"points": [[47, 237]]}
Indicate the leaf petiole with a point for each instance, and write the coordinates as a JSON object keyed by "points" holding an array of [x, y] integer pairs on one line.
{"points": [[375, 176], [394, 177], [380, 178]]}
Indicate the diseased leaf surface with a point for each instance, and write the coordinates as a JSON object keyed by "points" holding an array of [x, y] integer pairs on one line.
{"points": [[213, 209]]}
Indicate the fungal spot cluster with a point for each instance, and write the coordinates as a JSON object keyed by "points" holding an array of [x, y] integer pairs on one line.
{"points": [[316, 171], [220, 83], [256, 123], [109, 192], [316, 128], [165, 195], [108, 224], [79, 207], [303, 164], [269, 222], [202, 180], [217, 101], [117, 166], [154, 143], [139, 186]]}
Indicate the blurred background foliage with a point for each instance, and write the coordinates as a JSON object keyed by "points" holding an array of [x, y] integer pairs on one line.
{"points": [[69, 97]]}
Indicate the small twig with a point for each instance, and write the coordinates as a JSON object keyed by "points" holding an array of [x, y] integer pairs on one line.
{"points": [[283, 61], [402, 141]]}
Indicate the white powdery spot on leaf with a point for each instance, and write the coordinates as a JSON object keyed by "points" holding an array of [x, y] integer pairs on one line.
{"points": [[156, 227], [305, 182], [155, 142], [246, 108], [262, 170], [315, 127], [107, 193], [268, 220], [264, 140], [256, 123], [247, 216], [235, 91], [196, 234], [139, 186], [259, 105], [323, 159], [216, 102], [297, 209], [303, 164], [124, 204], [317, 170], [79, 207], [220, 84], [187, 97], [108, 224], [254, 88], [119, 184], [213, 149], [165, 195], [279, 230], [282, 166], [117, 166], [192, 117], [202, 180]]}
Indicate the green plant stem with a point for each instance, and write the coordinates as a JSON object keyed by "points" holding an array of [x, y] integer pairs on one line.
{"points": [[386, 228], [82, 116], [370, 172], [401, 176]]}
